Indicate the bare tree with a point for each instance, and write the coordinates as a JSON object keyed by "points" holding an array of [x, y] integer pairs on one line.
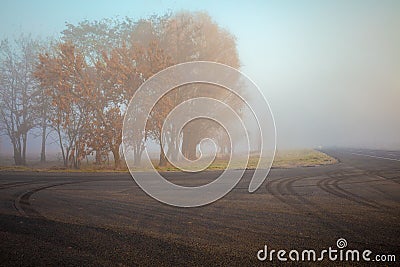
{"points": [[18, 91]]}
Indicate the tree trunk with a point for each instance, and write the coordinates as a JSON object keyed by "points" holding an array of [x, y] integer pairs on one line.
{"points": [[17, 156], [189, 146], [163, 159], [175, 153], [171, 152], [43, 151], [137, 157], [173, 146], [117, 158], [137, 154], [77, 157], [98, 157], [24, 140], [65, 157]]}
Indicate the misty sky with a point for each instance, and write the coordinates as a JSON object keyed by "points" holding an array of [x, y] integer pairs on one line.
{"points": [[330, 70]]}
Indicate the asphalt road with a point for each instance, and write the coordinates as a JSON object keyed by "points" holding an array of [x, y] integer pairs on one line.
{"points": [[107, 220]]}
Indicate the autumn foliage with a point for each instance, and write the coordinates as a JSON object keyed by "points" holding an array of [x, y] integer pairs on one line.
{"points": [[89, 75]]}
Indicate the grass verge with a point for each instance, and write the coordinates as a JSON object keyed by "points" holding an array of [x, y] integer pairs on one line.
{"points": [[283, 159]]}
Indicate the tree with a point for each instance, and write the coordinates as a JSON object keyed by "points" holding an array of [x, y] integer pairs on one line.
{"points": [[97, 67], [67, 79], [169, 40], [95, 39], [18, 91], [123, 70], [189, 37], [42, 109], [118, 81]]}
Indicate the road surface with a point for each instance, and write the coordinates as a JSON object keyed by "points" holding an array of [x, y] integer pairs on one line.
{"points": [[105, 219]]}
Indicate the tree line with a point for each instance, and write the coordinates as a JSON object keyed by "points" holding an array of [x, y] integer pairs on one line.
{"points": [[78, 86]]}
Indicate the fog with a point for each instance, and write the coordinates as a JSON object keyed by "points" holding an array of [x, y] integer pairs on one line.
{"points": [[330, 72]]}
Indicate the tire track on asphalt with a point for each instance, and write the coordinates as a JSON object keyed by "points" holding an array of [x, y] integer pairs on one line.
{"points": [[332, 185], [23, 206], [18, 184], [323, 215], [284, 187], [382, 174], [149, 216]]}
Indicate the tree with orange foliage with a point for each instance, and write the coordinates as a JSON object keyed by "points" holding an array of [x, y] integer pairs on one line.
{"points": [[67, 79], [91, 80], [189, 37]]}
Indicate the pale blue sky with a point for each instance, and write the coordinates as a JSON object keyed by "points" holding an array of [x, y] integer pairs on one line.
{"points": [[329, 69]]}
